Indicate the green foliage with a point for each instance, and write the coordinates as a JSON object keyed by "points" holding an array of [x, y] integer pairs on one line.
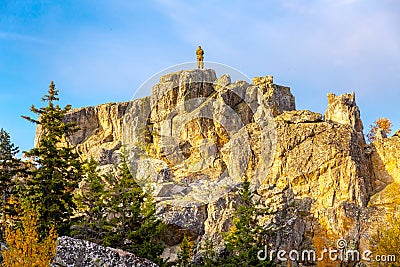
{"points": [[187, 251], [133, 224], [90, 201], [10, 167], [246, 237], [58, 167], [210, 257], [123, 217]]}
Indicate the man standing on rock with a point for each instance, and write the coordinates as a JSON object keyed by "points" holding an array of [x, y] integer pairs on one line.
{"points": [[200, 58]]}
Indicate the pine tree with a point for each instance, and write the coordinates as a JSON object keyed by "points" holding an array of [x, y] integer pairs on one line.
{"points": [[91, 204], [133, 224], [123, 216], [10, 167], [187, 251], [58, 168], [246, 237], [147, 237], [210, 257]]}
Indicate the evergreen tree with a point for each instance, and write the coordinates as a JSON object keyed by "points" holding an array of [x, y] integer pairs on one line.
{"points": [[58, 168], [124, 209], [91, 205], [133, 224], [147, 237], [246, 237], [210, 257], [122, 217], [10, 167], [187, 251]]}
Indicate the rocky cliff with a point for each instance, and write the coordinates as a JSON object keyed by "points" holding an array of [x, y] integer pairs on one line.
{"points": [[193, 139]]}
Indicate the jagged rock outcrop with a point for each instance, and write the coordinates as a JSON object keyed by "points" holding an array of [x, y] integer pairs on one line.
{"points": [[196, 135], [278, 97], [344, 110], [319, 181], [74, 252]]}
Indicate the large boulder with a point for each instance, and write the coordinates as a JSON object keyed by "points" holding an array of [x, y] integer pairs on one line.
{"points": [[73, 252]]}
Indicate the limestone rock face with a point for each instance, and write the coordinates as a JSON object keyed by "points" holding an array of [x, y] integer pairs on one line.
{"points": [[204, 133], [193, 139], [386, 167], [319, 181], [299, 116], [177, 87], [101, 129], [74, 252], [278, 97], [223, 81], [344, 110], [387, 152]]}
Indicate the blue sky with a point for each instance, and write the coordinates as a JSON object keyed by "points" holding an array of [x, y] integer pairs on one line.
{"points": [[102, 51]]}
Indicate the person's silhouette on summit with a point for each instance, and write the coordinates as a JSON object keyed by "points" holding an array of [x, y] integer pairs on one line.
{"points": [[200, 58]]}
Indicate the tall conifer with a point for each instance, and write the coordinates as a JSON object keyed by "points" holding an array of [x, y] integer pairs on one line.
{"points": [[10, 167], [246, 237], [58, 168]]}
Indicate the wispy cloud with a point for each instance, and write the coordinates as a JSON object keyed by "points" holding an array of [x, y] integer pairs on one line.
{"points": [[345, 30], [346, 2], [21, 37]]}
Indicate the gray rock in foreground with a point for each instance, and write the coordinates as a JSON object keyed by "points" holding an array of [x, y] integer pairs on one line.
{"points": [[76, 252]]}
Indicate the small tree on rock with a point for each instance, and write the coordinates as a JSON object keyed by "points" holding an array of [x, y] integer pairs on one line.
{"points": [[382, 123], [246, 237], [187, 251]]}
